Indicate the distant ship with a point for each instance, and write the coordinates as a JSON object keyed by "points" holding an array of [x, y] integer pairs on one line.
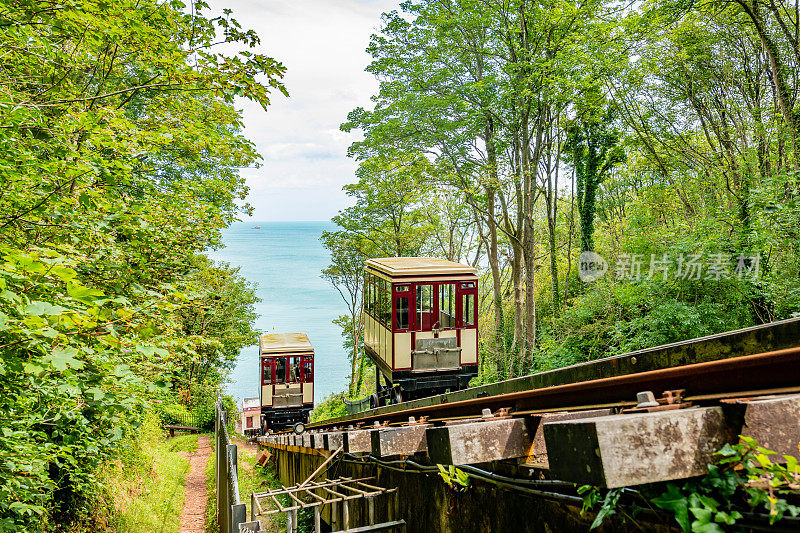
{"points": [[256, 227]]}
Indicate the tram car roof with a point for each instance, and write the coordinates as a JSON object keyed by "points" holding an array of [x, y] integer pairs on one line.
{"points": [[418, 266], [277, 343]]}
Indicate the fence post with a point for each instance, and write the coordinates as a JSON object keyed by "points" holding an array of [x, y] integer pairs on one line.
{"points": [[238, 516], [217, 466], [223, 474]]}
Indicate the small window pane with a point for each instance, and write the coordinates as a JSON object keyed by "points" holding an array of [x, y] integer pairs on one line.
{"points": [[368, 297], [266, 372], [424, 305], [386, 304], [468, 285], [468, 311], [371, 296], [401, 288], [447, 305], [309, 371], [294, 369], [402, 313], [280, 370]]}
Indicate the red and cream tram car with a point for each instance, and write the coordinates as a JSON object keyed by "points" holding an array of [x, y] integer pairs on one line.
{"points": [[287, 379], [420, 326]]}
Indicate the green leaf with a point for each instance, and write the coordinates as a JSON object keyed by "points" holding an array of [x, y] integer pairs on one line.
{"points": [[33, 368], [727, 451], [83, 294], [673, 500], [706, 527], [63, 357], [10, 296], [64, 273], [39, 308], [95, 393]]}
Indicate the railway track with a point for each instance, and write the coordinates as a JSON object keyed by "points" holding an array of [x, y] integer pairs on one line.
{"points": [[684, 401], [708, 369], [541, 435]]}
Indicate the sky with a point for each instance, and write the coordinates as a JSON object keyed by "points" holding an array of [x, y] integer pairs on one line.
{"points": [[322, 44]]}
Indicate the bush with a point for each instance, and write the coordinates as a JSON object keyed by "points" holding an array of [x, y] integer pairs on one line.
{"points": [[331, 407]]}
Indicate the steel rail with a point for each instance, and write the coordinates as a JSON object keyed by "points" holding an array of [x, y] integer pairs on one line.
{"points": [[768, 370]]}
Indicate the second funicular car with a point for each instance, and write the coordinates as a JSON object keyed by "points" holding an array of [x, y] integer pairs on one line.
{"points": [[287, 379], [420, 326]]}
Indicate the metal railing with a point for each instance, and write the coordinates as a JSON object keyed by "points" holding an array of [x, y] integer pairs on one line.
{"points": [[230, 510], [356, 406]]}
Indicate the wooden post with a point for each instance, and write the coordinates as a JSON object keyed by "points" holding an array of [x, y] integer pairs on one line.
{"points": [[253, 507], [334, 516], [345, 515], [288, 522], [295, 523], [371, 509], [317, 523]]}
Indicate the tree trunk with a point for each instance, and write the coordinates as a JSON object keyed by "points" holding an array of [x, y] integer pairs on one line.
{"points": [[516, 277], [492, 223], [528, 249], [779, 74]]}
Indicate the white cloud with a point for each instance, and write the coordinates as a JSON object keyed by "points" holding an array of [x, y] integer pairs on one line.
{"points": [[322, 43]]}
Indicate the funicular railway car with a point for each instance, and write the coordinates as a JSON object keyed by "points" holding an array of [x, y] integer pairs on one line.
{"points": [[287, 379], [420, 326]]}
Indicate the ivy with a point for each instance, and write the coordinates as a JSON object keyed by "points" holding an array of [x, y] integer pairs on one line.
{"points": [[454, 477], [743, 477]]}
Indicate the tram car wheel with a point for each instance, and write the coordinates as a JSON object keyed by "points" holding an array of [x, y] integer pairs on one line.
{"points": [[299, 428]]}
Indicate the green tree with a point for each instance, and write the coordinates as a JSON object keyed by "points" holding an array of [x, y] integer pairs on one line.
{"points": [[388, 216], [346, 274], [592, 148], [119, 158]]}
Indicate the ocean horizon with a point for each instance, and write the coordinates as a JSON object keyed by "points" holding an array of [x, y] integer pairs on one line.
{"points": [[285, 260]]}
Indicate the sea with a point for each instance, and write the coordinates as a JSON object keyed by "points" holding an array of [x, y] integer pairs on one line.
{"points": [[285, 261]]}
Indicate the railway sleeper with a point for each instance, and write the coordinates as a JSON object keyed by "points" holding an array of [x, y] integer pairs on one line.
{"points": [[632, 449]]}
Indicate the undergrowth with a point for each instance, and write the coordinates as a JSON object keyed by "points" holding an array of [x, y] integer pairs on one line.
{"points": [[744, 479], [145, 486]]}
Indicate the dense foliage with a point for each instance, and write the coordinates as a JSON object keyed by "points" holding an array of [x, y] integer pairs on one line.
{"points": [[662, 136], [744, 477], [119, 150]]}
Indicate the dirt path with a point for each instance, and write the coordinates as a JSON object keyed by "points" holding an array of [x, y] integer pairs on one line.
{"points": [[193, 518]]}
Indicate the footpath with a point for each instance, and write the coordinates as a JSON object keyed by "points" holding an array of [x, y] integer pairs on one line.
{"points": [[193, 518]]}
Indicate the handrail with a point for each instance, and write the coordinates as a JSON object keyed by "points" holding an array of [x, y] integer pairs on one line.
{"points": [[230, 510]]}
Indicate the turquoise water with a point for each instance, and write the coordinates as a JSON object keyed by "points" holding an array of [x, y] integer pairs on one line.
{"points": [[285, 259]]}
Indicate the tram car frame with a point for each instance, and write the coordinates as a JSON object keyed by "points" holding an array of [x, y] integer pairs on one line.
{"points": [[420, 326], [287, 379]]}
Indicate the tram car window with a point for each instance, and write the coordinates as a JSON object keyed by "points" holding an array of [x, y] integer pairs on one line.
{"points": [[287, 379], [420, 326]]}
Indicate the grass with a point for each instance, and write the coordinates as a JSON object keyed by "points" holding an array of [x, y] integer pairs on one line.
{"points": [[146, 486], [252, 478]]}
